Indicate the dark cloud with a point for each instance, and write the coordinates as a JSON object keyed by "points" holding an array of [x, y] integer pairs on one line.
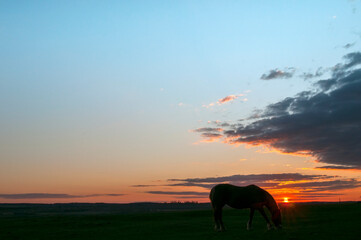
{"points": [[210, 185], [211, 135], [335, 167], [262, 180], [352, 59], [225, 124], [51, 195], [300, 186], [326, 84], [324, 123], [110, 194], [276, 73], [253, 178], [220, 124], [348, 45], [191, 184], [179, 193], [319, 72], [317, 186], [142, 185], [207, 130]]}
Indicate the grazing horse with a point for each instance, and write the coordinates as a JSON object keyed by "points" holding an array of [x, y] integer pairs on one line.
{"points": [[251, 196]]}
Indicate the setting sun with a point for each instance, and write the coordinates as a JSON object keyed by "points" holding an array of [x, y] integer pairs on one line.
{"points": [[285, 200]]}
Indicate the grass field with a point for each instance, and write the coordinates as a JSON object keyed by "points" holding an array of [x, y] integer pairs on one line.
{"points": [[319, 221]]}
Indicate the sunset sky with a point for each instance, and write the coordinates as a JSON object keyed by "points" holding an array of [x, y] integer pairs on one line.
{"points": [[132, 101]]}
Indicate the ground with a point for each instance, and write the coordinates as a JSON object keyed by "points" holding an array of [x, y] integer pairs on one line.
{"points": [[312, 221]]}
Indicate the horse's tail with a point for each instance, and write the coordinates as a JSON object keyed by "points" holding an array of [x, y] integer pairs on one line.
{"points": [[211, 196]]}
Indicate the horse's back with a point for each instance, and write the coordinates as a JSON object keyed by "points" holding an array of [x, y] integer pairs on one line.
{"points": [[237, 197]]}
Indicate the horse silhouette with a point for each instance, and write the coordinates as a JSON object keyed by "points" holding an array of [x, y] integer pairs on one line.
{"points": [[251, 196]]}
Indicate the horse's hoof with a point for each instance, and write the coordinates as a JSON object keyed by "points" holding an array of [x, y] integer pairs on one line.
{"points": [[269, 226], [217, 229]]}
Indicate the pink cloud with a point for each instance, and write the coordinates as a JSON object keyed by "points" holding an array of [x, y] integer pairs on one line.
{"points": [[226, 99]]}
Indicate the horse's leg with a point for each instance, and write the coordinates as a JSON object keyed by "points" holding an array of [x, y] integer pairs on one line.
{"points": [[261, 210], [216, 219], [249, 224], [220, 220]]}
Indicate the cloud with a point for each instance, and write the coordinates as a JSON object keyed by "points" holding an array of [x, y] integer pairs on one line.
{"points": [[353, 59], [319, 72], [209, 134], [220, 124], [324, 123], [253, 178], [191, 184], [51, 195], [348, 45], [263, 180], [317, 186], [226, 99], [179, 193], [299, 186], [109, 194], [276, 73], [143, 185], [211, 137], [207, 130], [335, 167], [341, 70]]}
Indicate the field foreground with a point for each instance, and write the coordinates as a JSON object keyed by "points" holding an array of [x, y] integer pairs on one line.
{"points": [[311, 221]]}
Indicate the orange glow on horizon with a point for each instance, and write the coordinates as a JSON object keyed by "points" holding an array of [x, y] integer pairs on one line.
{"points": [[285, 200]]}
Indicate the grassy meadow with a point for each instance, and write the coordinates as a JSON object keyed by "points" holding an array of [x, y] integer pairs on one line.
{"points": [[311, 221]]}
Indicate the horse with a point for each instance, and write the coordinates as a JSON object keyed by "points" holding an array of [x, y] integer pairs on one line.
{"points": [[251, 196]]}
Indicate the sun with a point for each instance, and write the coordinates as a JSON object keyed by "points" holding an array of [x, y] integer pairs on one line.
{"points": [[285, 200]]}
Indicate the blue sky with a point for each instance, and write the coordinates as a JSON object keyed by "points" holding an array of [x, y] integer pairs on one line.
{"points": [[111, 90]]}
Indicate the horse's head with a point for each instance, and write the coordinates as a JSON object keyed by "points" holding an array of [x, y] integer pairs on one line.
{"points": [[276, 218]]}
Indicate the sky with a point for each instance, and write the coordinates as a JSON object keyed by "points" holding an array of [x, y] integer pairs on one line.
{"points": [[133, 101]]}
